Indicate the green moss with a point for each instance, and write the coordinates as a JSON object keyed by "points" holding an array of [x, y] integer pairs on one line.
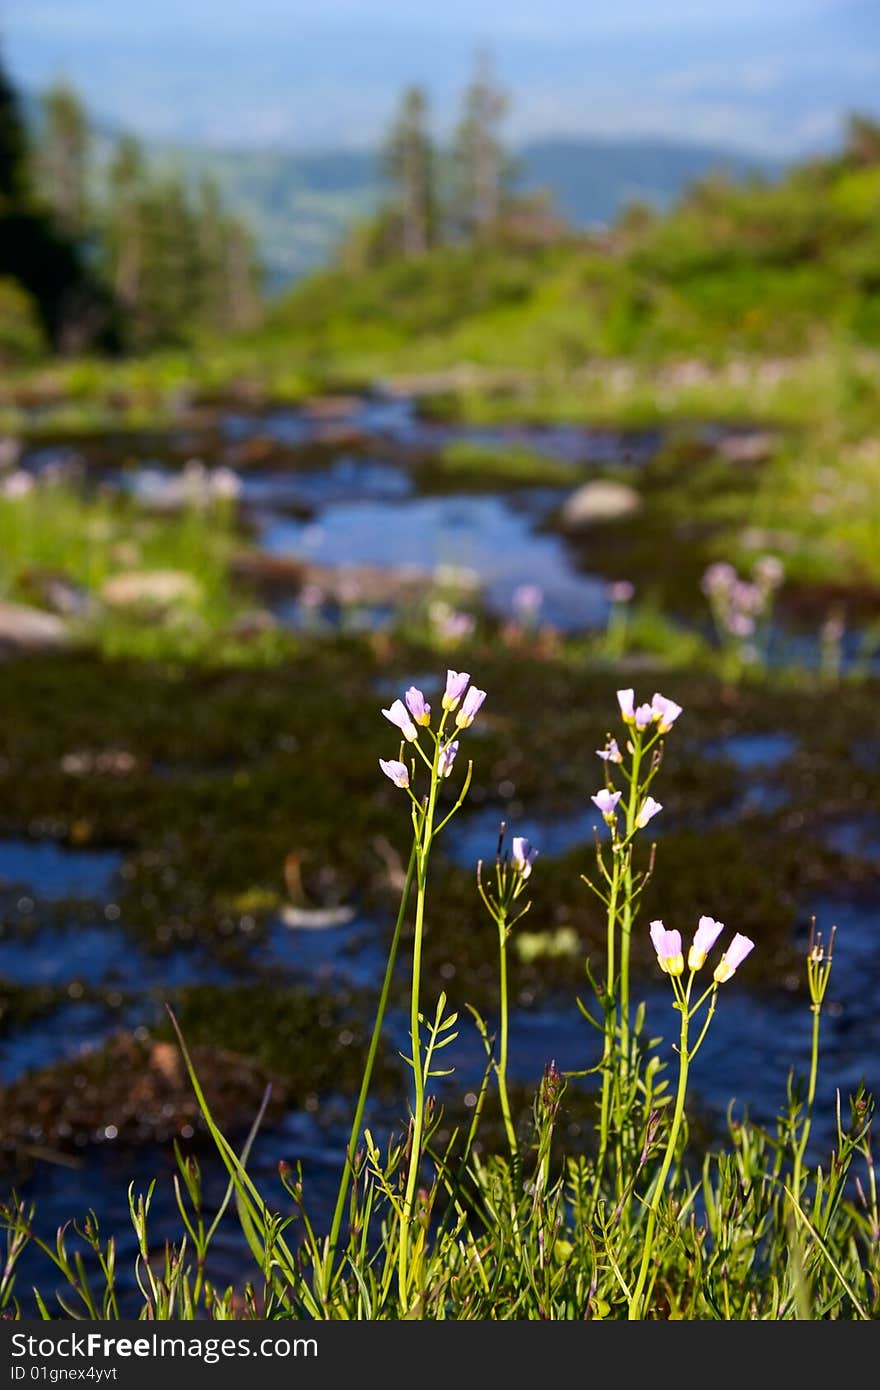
{"points": [[483, 465]]}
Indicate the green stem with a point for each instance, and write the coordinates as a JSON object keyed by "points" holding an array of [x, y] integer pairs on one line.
{"points": [[800, 1148], [424, 852], [501, 1068], [610, 1029], [626, 923], [635, 1302], [347, 1172]]}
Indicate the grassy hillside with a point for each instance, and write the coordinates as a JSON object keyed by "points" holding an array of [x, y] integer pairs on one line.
{"points": [[771, 269]]}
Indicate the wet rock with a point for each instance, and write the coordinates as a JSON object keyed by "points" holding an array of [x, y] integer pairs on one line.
{"points": [[317, 918], [331, 407], [256, 449], [29, 629], [10, 451], [58, 593], [345, 585], [269, 574], [369, 584], [194, 486], [600, 500], [150, 589], [755, 447]]}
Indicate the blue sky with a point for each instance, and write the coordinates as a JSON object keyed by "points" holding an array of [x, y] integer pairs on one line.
{"points": [[776, 76]]}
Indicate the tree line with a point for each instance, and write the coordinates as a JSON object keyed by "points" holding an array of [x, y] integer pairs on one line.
{"points": [[109, 253], [462, 193]]}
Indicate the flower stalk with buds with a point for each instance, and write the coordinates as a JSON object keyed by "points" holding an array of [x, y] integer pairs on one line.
{"points": [[819, 959], [500, 897], [625, 812], [670, 957], [460, 705]]}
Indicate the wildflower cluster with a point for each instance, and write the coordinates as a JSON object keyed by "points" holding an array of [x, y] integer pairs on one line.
{"points": [[741, 608], [670, 957], [414, 713], [460, 704], [647, 723]]}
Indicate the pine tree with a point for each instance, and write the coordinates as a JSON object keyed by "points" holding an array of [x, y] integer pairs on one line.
{"points": [[124, 233], [38, 253], [13, 148], [407, 162], [480, 168], [62, 160], [241, 278]]}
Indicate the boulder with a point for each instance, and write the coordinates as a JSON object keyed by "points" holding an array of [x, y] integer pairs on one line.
{"points": [[753, 447], [599, 500], [57, 592], [150, 589], [30, 629]]}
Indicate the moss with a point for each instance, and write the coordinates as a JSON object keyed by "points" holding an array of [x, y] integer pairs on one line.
{"points": [[234, 771], [464, 463]]}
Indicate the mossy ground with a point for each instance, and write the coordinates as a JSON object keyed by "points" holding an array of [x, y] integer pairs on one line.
{"points": [[234, 771]]}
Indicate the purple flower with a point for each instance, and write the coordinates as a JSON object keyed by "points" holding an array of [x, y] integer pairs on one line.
{"points": [[644, 716], [399, 715], [769, 571], [455, 626], [471, 707], [621, 591], [447, 758], [647, 811], [746, 597], [733, 957], [522, 856], [667, 944], [527, 599], [395, 770], [718, 578], [665, 712], [606, 802], [418, 707], [625, 700], [741, 625], [610, 754], [456, 684], [707, 933]]}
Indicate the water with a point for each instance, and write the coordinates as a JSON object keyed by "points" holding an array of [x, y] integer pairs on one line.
{"points": [[753, 751], [53, 871], [396, 420], [485, 539]]}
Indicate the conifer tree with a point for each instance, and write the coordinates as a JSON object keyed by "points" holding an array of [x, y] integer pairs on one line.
{"points": [[480, 167], [62, 160], [407, 162]]}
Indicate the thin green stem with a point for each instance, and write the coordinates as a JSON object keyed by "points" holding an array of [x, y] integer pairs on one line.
{"points": [[626, 921], [635, 1302], [801, 1146], [415, 1155], [501, 1066], [610, 1028], [347, 1172]]}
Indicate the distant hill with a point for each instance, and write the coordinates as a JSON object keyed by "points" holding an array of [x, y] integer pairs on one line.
{"points": [[300, 205], [593, 180]]}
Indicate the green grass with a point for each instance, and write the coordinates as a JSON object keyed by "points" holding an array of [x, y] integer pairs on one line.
{"points": [[54, 531]]}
